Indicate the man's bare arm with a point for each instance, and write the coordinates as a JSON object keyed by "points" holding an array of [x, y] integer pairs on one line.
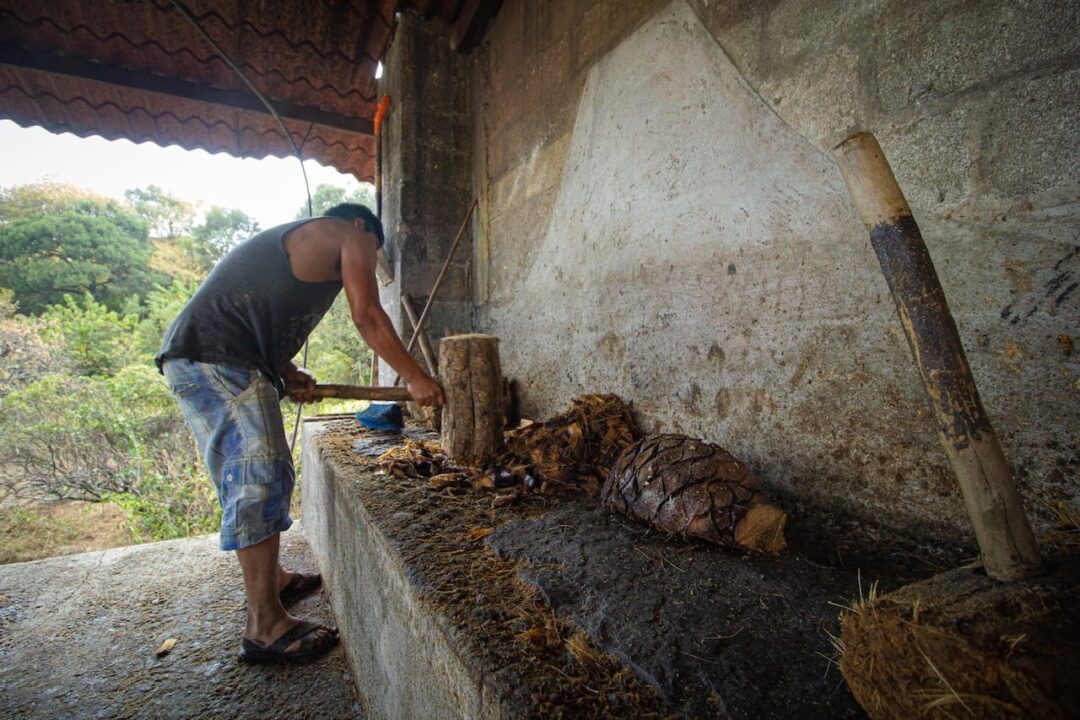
{"points": [[358, 258]]}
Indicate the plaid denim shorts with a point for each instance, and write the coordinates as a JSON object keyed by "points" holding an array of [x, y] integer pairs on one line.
{"points": [[235, 416]]}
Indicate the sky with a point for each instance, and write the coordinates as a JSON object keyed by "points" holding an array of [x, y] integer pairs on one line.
{"points": [[270, 190]]}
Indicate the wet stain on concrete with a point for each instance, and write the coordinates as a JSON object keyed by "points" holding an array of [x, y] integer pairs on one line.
{"points": [[722, 402], [693, 399], [611, 347], [716, 355], [799, 372], [1019, 276]]}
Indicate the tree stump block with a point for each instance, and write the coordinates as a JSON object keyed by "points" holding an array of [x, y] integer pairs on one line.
{"points": [[472, 419], [961, 645]]}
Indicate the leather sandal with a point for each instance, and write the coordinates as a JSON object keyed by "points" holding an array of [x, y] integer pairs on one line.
{"points": [[312, 644], [299, 586]]}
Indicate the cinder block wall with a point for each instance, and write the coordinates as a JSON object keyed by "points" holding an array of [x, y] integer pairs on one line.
{"points": [[660, 218], [426, 177]]}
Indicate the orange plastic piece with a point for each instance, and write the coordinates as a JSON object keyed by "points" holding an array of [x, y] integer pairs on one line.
{"points": [[380, 113]]}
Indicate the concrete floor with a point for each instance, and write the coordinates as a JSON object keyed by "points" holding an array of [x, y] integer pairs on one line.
{"points": [[78, 636]]}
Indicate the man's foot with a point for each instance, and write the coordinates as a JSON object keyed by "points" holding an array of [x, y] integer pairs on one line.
{"points": [[303, 641], [298, 586]]}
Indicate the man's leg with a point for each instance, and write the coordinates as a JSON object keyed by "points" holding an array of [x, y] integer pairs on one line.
{"points": [[235, 418], [266, 618]]}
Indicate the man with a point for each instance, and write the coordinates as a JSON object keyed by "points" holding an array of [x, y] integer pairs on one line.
{"points": [[228, 358]]}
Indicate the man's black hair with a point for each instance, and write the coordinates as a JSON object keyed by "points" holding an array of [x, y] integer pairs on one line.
{"points": [[353, 211]]}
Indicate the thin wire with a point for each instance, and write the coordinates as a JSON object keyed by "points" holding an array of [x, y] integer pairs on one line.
{"points": [[284, 130]]}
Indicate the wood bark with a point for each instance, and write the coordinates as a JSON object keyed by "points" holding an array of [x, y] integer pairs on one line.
{"points": [[696, 489], [472, 419], [1001, 527]]}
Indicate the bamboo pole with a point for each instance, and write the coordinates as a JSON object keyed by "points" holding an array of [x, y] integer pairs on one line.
{"points": [[1001, 527]]}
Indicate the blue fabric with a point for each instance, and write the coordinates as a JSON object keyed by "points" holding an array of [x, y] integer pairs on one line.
{"points": [[381, 416], [235, 416]]}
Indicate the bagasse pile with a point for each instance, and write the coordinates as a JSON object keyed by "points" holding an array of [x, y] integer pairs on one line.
{"points": [[681, 485], [960, 645], [571, 451], [576, 449]]}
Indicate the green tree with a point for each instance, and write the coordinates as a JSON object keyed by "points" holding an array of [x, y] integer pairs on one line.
{"points": [[222, 230], [166, 216], [327, 196], [55, 241], [162, 307], [25, 354], [336, 352], [120, 439], [96, 340]]}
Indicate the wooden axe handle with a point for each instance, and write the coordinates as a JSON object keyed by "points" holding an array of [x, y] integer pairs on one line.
{"points": [[361, 392]]}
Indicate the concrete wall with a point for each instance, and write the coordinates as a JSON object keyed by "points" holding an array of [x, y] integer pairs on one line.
{"points": [[426, 185], [660, 219]]}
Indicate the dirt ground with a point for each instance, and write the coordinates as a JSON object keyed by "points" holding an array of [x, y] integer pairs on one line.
{"points": [[78, 636], [43, 530]]}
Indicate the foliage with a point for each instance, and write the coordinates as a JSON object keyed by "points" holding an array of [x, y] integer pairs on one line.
{"points": [[221, 231], [79, 438], [179, 507], [96, 339], [178, 259], [24, 530], [166, 216], [336, 352], [54, 243], [94, 283], [162, 307], [24, 355], [327, 196]]}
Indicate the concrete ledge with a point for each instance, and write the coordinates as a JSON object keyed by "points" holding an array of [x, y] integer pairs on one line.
{"points": [[450, 608], [403, 658]]}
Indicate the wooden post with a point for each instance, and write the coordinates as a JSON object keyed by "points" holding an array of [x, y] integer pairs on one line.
{"points": [[471, 376], [1001, 527]]}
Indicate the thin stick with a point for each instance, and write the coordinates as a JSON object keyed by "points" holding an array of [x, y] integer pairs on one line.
{"points": [[425, 346], [438, 281]]}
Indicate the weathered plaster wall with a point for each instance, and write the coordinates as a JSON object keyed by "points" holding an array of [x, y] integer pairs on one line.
{"points": [[426, 184], [660, 219]]}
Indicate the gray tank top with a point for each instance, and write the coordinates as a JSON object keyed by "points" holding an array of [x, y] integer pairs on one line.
{"points": [[251, 311]]}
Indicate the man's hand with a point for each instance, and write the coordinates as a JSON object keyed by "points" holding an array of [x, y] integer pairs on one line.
{"points": [[299, 384], [426, 391]]}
